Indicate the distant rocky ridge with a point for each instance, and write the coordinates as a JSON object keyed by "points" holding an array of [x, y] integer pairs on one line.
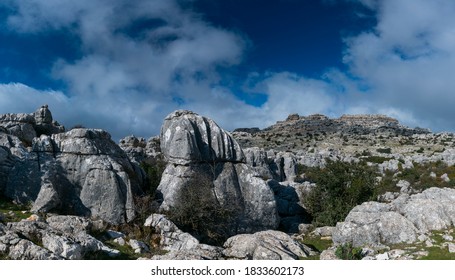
{"points": [[287, 134]]}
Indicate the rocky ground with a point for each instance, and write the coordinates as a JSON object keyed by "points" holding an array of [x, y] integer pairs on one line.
{"points": [[76, 194]]}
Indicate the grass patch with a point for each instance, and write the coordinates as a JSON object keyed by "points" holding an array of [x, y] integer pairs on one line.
{"points": [[12, 212], [439, 250], [316, 243]]}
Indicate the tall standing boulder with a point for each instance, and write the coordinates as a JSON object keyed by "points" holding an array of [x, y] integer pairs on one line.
{"points": [[196, 147]]}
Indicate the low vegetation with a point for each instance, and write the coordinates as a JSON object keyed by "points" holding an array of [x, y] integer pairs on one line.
{"points": [[420, 177], [348, 252], [11, 212], [339, 187]]}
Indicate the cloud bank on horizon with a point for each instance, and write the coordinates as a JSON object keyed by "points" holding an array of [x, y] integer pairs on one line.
{"points": [[139, 60]]}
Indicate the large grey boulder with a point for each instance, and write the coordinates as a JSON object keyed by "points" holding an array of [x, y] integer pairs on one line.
{"points": [[81, 172], [400, 221], [433, 209], [374, 223], [27, 250], [196, 147], [180, 245], [265, 245], [44, 122], [171, 237]]}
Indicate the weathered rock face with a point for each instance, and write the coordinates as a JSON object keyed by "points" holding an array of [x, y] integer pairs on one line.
{"points": [[139, 149], [189, 138], [60, 237], [181, 245], [265, 245], [194, 145], [28, 126], [374, 223], [400, 221], [258, 159], [81, 172]]}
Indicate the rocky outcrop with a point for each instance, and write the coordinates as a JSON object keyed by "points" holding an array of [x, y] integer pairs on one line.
{"points": [[180, 245], [189, 138], [195, 146], [401, 221], [258, 159], [138, 149], [289, 205], [171, 237], [81, 172], [281, 166], [28, 126], [265, 245], [60, 237], [308, 132]]}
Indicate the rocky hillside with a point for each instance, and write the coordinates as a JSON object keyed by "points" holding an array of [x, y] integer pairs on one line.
{"points": [[360, 186], [349, 133]]}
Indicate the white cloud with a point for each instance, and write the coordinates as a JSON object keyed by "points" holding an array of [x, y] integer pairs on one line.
{"points": [[129, 75], [16, 97], [407, 60], [127, 79]]}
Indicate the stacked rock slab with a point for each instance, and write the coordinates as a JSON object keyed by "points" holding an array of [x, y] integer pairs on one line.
{"points": [[193, 146]]}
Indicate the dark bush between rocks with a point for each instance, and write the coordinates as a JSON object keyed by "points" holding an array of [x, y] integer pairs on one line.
{"points": [[339, 187], [198, 212], [348, 252], [154, 168]]}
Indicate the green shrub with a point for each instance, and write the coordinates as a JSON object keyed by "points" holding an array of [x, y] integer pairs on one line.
{"points": [[376, 159], [339, 187], [384, 150], [154, 168], [348, 252]]}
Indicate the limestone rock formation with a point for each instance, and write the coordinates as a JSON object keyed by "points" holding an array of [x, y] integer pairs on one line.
{"points": [[195, 145], [181, 245], [81, 172], [139, 149], [28, 126], [60, 237], [265, 245], [258, 159], [189, 138], [289, 206], [400, 221]]}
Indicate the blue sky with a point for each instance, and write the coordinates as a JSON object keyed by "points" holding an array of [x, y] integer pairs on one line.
{"points": [[124, 65]]}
